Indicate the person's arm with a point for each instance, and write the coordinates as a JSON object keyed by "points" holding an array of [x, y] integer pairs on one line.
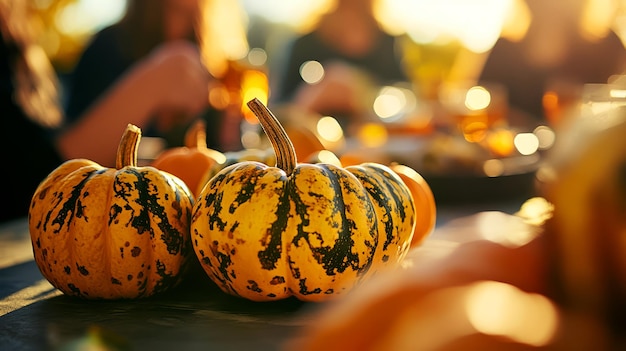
{"points": [[171, 79]]}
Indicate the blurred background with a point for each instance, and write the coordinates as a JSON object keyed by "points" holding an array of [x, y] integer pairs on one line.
{"points": [[483, 87], [438, 35]]}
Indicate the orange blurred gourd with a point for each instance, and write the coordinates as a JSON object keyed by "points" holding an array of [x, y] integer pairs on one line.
{"points": [[111, 233], [190, 162]]}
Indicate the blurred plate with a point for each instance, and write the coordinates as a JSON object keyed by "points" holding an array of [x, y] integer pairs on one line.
{"points": [[457, 171]]}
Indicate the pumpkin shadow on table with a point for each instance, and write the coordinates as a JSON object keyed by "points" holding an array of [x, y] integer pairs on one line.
{"points": [[194, 315]]}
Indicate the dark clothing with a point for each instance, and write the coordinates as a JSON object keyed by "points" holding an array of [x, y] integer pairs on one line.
{"points": [[102, 63], [382, 63], [585, 63], [28, 151]]}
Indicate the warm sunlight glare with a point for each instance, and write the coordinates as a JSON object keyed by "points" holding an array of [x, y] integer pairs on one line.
{"points": [[254, 84], [490, 224], [85, 16], [496, 308], [476, 24]]}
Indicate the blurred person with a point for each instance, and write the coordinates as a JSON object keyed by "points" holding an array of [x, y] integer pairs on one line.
{"points": [[149, 69], [558, 52], [29, 101], [170, 78], [356, 54]]}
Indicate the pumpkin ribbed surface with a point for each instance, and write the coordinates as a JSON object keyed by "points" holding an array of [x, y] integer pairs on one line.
{"points": [[304, 230], [110, 233]]}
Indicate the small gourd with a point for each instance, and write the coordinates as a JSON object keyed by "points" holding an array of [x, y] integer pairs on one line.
{"points": [[312, 231], [111, 233], [192, 161]]}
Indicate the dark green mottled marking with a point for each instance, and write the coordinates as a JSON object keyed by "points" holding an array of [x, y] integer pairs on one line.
{"points": [[71, 206], [135, 251], [75, 290], [277, 280], [248, 181], [82, 269], [377, 184], [148, 199], [213, 198], [304, 290], [114, 212], [254, 286], [273, 251], [166, 279], [337, 258]]}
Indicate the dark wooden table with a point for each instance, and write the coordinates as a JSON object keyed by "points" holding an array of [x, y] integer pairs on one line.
{"points": [[194, 316]]}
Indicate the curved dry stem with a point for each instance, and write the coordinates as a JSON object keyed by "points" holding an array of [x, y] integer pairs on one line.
{"points": [[127, 149], [195, 137], [283, 148]]}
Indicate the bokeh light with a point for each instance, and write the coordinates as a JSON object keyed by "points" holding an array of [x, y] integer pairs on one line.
{"points": [[477, 98], [312, 72], [526, 143], [329, 129], [389, 102], [372, 135]]}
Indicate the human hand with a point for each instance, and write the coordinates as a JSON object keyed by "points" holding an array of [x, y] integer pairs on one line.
{"points": [[344, 89], [178, 80]]}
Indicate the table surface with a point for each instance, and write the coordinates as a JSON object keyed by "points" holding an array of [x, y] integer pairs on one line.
{"points": [[194, 316]]}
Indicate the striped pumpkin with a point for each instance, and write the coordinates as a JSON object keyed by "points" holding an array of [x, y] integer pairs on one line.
{"points": [[104, 233], [306, 230], [232, 157]]}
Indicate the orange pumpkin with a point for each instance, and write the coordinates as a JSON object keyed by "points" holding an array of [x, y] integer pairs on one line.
{"points": [[190, 162], [304, 140]]}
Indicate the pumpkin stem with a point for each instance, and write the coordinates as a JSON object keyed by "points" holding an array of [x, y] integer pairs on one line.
{"points": [[283, 148], [195, 137], [127, 150]]}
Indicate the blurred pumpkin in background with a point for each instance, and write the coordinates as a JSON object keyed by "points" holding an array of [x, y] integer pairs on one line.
{"points": [[192, 161], [550, 277]]}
